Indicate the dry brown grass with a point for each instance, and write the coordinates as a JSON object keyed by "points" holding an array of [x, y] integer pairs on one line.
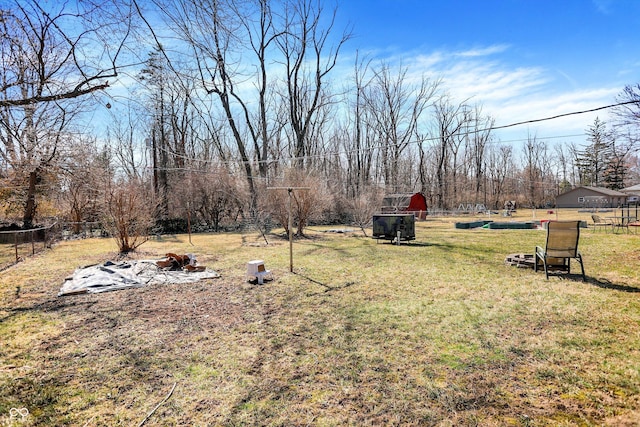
{"points": [[438, 332]]}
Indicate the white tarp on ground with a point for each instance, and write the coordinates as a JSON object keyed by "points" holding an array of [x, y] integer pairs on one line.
{"points": [[112, 276]]}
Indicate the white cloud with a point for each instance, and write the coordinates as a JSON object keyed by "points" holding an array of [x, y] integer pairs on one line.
{"points": [[485, 51], [489, 82], [508, 92], [513, 94], [470, 74], [547, 105]]}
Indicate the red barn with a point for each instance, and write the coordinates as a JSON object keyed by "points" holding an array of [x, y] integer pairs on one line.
{"points": [[406, 203], [418, 206]]}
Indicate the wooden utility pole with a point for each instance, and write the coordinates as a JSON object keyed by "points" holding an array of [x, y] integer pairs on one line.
{"points": [[290, 228], [290, 222]]}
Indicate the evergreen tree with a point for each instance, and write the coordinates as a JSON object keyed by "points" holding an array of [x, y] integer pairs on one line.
{"points": [[594, 160], [617, 167]]}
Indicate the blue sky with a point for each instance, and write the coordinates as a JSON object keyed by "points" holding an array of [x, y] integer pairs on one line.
{"points": [[520, 59]]}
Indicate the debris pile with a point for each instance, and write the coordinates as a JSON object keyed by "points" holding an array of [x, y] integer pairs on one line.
{"points": [[112, 276], [174, 262]]}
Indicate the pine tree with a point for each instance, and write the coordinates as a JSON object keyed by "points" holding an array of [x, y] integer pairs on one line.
{"points": [[594, 160]]}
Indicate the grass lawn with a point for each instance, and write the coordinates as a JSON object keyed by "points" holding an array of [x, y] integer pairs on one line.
{"points": [[437, 332]]}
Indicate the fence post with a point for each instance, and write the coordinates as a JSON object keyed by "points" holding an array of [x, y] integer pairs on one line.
{"points": [[15, 241]]}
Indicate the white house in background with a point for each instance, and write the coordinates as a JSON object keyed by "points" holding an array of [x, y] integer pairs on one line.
{"points": [[633, 193]]}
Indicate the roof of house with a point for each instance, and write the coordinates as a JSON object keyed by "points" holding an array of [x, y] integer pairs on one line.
{"points": [[631, 189], [601, 190]]}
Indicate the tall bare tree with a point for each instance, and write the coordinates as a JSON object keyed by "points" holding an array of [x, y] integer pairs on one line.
{"points": [[212, 30], [480, 136], [451, 120], [628, 114], [537, 176], [86, 173], [308, 58], [563, 156], [357, 139], [258, 41], [501, 174], [396, 108], [51, 54]]}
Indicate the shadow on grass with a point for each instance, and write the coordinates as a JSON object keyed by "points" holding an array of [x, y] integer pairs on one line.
{"points": [[48, 306], [605, 284], [327, 288], [410, 244]]}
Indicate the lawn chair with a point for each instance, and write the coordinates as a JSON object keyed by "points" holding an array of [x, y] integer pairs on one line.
{"points": [[561, 247], [605, 223]]}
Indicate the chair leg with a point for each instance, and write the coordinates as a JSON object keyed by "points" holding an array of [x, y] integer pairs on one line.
{"points": [[546, 267], [579, 258]]}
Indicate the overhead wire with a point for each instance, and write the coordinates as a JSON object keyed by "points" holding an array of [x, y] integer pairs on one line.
{"points": [[573, 113], [416, 141], [378, 146]]}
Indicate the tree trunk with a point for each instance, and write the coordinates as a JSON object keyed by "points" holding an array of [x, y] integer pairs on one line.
{"points": [[30, 205]]}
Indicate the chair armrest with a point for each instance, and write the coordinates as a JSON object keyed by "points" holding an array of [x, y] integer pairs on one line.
{"points": [[539, 251]]}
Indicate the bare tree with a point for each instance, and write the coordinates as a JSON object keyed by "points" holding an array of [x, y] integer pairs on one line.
{"points": [[501, 169], [364, 206], [52, 54], [308, 59], [356, 137], [58, 50], [85, 175], [238, 49], [537, 176], [128, 216], [308, 202], [626, 125], [124, 140], [396, 107], [480, 135], [212, 31], [628, 114], [563, 156], [215, 196], [451, 120]]}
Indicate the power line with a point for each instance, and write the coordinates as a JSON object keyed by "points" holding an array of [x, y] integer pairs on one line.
{"points": [[413, 142], [573, 113]]}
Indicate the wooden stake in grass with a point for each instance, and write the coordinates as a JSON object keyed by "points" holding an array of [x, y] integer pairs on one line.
{"points": [[290, 222]]}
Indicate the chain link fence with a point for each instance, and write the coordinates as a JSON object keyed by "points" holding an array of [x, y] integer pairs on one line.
{"points": [[16, 245]]}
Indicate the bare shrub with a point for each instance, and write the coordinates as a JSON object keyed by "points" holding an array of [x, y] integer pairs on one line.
{"points": [[129, 215], [83, 179], [364, 206], [213, 198], [309, 197]]}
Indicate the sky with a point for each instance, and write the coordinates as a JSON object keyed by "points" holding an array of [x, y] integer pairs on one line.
{"points": [[519, 59]]}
